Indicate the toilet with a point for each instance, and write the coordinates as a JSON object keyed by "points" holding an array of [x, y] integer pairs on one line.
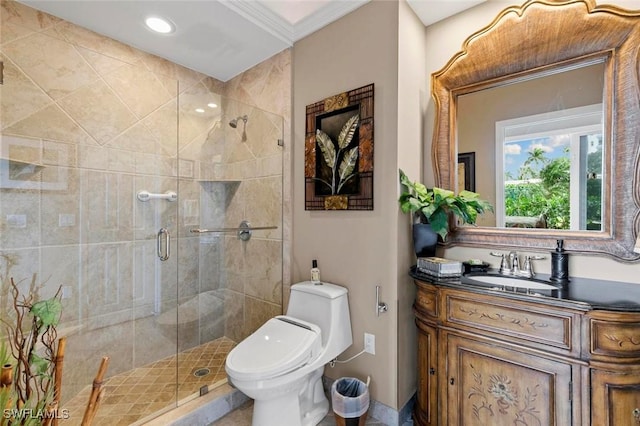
{"points": [[280, 366]]}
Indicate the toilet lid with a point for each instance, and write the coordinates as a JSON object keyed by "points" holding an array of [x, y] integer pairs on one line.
{"points": [[282, 344]]}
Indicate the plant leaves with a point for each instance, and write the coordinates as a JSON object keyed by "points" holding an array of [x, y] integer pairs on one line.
{"points": [[439, 221], [437, 204], [38, 364], [347, 132], [347, 166], [326, 147], [442, 194], [348, 163], [47, 311], [5, 354]]}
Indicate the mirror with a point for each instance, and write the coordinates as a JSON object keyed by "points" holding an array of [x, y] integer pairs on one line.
{"points": [[545, 99], [544, 138]]}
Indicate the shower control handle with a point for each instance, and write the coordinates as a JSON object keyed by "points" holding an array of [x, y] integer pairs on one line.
{"points": [[163, 244]]}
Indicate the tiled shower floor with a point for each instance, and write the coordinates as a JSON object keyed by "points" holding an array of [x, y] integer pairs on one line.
{"points": [[137, 394]]}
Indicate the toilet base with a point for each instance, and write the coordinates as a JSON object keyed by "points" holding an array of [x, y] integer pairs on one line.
{"points": [[305, 407]]}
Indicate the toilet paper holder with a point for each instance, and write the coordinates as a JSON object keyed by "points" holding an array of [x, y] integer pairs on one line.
{"points": [[381, 307]]}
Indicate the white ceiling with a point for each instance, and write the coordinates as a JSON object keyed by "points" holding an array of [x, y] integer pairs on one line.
{"points": [[221, 38]]}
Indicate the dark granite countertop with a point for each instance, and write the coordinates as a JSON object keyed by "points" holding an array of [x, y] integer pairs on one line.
{"points": [[581, 293]]}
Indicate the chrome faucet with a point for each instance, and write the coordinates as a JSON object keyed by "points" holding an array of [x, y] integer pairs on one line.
{"points": [[510, 264], [514, 262]]}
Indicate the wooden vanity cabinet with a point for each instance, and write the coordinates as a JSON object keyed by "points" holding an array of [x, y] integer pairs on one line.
{"points": [[615, 397], [426, 308], [488, 384], [614, 350], [427, 398], [484, 358]]}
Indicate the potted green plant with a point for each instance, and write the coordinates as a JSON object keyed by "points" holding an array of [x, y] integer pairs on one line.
{"points": [[433, 207]]}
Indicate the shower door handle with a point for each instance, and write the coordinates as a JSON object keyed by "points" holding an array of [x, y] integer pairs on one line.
{"points": [[163, 244]]}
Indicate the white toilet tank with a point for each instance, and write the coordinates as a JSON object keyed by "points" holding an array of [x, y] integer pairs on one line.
{"points": [[327, 306]]}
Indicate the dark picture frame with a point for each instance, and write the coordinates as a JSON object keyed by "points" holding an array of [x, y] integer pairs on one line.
{"points": [[339, 152], [467, 171]]}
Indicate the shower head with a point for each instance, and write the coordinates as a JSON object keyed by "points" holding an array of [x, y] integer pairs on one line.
{"points": [[234, 123]]}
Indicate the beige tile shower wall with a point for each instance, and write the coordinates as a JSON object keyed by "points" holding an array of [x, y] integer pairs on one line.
{"points": [[258, 272], [102, 117], [253, 269]]}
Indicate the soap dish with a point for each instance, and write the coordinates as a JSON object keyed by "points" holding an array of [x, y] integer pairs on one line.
{"points": [[475, 266]]}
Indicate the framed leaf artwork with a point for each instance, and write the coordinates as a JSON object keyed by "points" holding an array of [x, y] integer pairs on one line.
{"points": [[338, 152]]}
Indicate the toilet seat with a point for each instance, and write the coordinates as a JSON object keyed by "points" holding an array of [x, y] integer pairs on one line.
{"points": [[280, 345]]}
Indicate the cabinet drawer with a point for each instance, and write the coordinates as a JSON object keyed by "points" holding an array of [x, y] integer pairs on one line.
{"points": [[615, 338], [536, 325], [427, 299]]}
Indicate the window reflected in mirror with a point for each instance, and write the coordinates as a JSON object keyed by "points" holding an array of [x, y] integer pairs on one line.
{"points": [[539, 145], [549, 170]]}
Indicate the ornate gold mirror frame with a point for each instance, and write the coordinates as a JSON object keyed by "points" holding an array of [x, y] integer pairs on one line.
{"points": [[542, 37]]}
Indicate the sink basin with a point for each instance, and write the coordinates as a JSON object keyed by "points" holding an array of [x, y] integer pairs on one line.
{"points": [[508, 282]]}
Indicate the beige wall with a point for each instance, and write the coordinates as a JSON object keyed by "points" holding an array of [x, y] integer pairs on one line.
{"points": [[412, 104], [443, 40], [356, 249], [383, 43]]}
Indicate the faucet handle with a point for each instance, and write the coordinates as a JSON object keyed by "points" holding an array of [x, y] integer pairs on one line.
{"points": [[527, 268], [505, 267]]}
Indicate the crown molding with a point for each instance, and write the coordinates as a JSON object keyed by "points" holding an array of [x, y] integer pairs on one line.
{"points": [[263, 17], [323, 17], [282, 29]]}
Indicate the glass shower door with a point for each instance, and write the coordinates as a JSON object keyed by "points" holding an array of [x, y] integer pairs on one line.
{"points": [[94, 138], [82, 133]]}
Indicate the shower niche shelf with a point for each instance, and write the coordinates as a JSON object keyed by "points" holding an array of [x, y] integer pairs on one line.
{"points": [[20, 168], [21, 164]]}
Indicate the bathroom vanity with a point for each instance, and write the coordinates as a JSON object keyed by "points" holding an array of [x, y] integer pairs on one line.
{"points": [[496, 356], [500, 357]]}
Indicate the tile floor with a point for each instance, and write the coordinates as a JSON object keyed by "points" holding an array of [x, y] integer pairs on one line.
{"points": [[242, 417], [133, 395]]}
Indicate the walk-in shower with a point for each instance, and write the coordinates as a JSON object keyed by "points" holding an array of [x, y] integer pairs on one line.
{"points": [[106, 167]]}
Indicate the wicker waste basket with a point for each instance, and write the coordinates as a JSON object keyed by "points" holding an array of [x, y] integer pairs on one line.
{"points": [[350, 401]]}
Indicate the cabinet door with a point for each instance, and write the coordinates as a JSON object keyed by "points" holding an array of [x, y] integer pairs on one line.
{"points": [[491, 385], [425, 411], [615, 398]]}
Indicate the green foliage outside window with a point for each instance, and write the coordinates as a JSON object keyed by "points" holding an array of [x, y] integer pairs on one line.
{"points": [[548, 198], [549, 194]]}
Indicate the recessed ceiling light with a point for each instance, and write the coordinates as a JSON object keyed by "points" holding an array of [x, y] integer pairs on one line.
{"points": [[159, 25], [200, 110], [212, 105]]}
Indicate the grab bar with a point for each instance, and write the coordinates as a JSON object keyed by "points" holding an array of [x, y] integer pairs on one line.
{"points": [[243, 231], [146, 196]]}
